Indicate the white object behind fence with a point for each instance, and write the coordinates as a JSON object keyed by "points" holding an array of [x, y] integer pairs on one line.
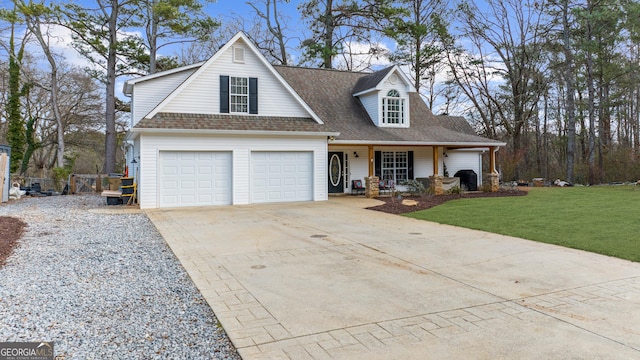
{"points": [[4, 177]]}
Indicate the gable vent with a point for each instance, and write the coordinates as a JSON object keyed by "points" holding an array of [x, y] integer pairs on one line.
{"points": [[238, 54]]}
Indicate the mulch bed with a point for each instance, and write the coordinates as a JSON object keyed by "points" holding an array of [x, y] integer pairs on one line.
{"points": [[11, 230], [394, 206]]}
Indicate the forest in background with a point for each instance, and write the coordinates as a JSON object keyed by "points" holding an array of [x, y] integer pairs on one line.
{"points": [[558, 81]]}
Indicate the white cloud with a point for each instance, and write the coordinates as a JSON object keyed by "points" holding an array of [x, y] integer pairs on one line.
{"points": [[363, 56]]}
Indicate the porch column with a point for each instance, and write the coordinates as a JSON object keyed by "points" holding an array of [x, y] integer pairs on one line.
{"points": [[371, 157], [435, 181], [494, 177], [436, 150], [372, 188]]}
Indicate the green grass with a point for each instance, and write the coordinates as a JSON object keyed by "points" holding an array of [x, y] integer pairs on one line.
{"points": [[600, 219]]}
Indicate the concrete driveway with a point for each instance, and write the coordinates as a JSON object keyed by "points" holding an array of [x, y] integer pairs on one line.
{"points": [[331, 280]]}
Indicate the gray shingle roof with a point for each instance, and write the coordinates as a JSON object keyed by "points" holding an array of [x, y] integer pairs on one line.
{"points": [[371, 80], [230, 122], [330, 94]]}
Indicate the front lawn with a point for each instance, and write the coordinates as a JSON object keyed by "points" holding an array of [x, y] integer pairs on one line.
{"points": [[601, 219]]}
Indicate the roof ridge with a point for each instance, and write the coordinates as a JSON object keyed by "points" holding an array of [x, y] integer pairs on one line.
{"points": [[325, 69]]}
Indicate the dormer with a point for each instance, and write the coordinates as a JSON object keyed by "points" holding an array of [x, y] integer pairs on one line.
{"points": [[385, 96]]}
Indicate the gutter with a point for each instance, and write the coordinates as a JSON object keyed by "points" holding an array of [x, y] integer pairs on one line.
{"points": [[230, 132], [417, 143]]}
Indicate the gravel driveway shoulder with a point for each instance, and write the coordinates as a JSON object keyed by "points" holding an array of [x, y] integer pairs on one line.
{"points": [[102, 286]]}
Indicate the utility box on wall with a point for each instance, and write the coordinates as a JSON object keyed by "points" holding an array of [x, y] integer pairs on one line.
{"points": [[5, 174]]}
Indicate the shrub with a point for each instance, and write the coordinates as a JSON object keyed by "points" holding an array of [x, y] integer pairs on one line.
{"points": [[414, 187], [60, 175]]}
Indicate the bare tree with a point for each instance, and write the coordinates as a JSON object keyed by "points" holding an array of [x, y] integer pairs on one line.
{"points": [[512, 32], [36, 17], [273, 41]]}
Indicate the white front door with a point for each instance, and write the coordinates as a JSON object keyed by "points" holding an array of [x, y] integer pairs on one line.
{"points": [[195, 178], [279, 176]]}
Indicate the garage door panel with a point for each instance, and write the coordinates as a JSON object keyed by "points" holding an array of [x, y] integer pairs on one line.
{"points": [[169, 170], [195, 178], [281, 176], [205, 170]]}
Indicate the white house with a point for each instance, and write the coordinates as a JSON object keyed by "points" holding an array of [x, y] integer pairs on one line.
{"points": [[238, 130]]}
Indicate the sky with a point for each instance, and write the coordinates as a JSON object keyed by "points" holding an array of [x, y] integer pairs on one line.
{"points": [[226, 11], [224, 8]]}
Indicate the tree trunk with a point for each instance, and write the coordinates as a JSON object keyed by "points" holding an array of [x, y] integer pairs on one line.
{"points": [[636, 123], [15, 128], [327, 56], [152, 35], [545, 138], [592, 116], [570, 101], [35, 27], [110, 142], [277, 32], [591, 97]]}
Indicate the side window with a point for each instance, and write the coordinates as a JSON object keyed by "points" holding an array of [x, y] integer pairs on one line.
{"points": [[238, 94]]}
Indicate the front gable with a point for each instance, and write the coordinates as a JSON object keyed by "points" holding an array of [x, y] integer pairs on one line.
{"points": [[237, 68], [385, 97]]}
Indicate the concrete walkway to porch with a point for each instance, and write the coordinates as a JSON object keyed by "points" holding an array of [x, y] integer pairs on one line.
{"points": [[331, 280]]}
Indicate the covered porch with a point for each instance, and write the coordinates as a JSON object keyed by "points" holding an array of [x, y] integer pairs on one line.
{"points": [[367, 164]]}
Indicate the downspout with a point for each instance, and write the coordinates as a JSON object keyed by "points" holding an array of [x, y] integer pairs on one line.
{"points": [[492, 159]]}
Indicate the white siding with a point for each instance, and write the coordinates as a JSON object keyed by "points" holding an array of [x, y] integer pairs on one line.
{"points": [[202, 94], [423, 162], [359, 167], [400, 85], [464, 160], [371, 103], [134, 153], [241, 147], [148, 94]]}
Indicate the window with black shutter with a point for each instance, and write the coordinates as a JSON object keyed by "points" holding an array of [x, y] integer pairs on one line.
{"points": [[238, 95], [394, 165]]}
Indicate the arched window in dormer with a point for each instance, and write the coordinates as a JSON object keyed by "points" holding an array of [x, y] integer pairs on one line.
{"points": [[393, 108]]}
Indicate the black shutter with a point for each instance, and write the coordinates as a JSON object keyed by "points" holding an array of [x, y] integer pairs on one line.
{"points": [[410, 164], [224, 94], [253, 95], [377, 169]]}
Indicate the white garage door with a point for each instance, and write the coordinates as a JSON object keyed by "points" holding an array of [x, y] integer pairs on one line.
{"points": [[195, 178], [281, 176]]}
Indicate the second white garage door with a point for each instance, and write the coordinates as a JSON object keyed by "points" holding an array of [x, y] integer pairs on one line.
{"points": [[190, 178], [281, 176]]}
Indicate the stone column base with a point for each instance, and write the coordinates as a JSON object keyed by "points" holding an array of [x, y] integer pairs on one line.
{"points": [[371, 186], [435, 185], [494, 181]]}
